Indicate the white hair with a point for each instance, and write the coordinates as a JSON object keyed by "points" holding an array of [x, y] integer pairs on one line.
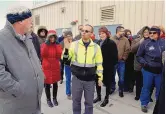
{"points": [[64, 30], [18, 9]]}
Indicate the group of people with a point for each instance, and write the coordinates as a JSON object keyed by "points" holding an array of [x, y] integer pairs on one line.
{"points": [[30, 62]]}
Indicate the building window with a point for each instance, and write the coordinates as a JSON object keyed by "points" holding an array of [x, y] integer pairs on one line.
{"points": [[37, 20], [107, 13]]}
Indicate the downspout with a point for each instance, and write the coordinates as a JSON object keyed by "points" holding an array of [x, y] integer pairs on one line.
{"points": [[82, 12]]}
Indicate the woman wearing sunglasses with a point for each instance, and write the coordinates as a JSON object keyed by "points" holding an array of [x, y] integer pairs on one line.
{"points": [[149, 56], [143, 34]]}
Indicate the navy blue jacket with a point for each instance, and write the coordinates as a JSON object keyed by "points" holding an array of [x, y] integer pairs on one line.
{"points": [[149, 55], [60, 39]]}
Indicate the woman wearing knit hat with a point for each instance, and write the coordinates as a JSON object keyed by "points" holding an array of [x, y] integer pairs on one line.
{"points": [[51, 53], [110, 59]]}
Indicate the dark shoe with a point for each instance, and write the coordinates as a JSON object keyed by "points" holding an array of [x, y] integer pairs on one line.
{"points": [[144, 109], [130, 90], [111, 92], [136, 98], [55, 102], [69, 97], [126, 90], [105, 102], [121, 94], [151, 100], [61, 81], [97, 100], [50, 103]]}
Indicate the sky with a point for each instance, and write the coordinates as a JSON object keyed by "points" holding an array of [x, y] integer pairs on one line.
{"points": [[5, 5]]}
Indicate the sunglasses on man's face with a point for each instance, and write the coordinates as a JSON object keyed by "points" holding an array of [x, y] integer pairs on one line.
{"points": [[152, 32], [86, 31]]}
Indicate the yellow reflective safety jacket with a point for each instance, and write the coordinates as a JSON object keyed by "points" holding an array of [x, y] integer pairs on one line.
{"points": [[85, 62]]}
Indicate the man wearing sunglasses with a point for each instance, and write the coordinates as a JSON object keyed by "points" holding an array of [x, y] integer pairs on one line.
{"points": [[86, 62], [149, 56]]}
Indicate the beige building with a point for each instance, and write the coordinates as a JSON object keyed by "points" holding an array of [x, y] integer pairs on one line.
{"points": [[132, 15]]}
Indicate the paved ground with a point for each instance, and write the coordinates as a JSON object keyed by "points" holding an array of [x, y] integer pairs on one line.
{"points": [[117, 105]]}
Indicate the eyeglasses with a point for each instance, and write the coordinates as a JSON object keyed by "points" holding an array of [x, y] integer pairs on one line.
{"points": [[86, 31], [152, 32]]}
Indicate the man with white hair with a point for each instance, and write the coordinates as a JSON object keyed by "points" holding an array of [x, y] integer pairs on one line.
{"points": [[21, 76], [60, 40]]}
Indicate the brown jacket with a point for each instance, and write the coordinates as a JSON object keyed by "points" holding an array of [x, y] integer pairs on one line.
{"points": [[123, 47]]}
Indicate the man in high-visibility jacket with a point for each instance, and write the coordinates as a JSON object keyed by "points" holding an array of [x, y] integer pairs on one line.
{"points": [[86, 62]]}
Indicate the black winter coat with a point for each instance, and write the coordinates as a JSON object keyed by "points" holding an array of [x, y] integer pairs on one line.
{"points": [[36, 44], [110, 59], [160, 104]]}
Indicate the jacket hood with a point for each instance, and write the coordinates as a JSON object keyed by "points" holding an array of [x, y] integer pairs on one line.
{"points": [[140, 33], [40, 29], [126, 31]]}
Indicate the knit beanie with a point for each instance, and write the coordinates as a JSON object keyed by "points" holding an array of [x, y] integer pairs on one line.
{"points": [[156, 29], [51, 33], [105, 30], [18, 14]]}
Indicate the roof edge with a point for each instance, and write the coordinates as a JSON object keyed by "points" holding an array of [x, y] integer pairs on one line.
{"points": [[45, 4]]}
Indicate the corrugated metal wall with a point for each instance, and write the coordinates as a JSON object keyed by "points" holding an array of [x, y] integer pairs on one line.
{"points": [[131, 14], [52, 18]]}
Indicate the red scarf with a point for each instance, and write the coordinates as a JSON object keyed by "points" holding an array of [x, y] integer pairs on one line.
{"points": [[162, 36]]}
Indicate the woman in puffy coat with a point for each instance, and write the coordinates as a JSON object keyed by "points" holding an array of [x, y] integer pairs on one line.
{"points": [[51, 53]]}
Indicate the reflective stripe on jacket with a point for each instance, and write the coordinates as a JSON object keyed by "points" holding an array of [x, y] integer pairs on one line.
{"points": [[85, 61]]}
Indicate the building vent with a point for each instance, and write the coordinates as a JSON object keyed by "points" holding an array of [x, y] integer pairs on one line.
{"points": [[37, 20], [108, 13], [63, 10]]}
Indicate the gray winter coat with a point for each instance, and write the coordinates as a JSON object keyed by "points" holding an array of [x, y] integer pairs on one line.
{"points": [[135, 45], [21, 76]]}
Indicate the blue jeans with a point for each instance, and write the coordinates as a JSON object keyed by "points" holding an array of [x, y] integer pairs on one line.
{"points": [[120, 68], [148, 79], [68, 79]]}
